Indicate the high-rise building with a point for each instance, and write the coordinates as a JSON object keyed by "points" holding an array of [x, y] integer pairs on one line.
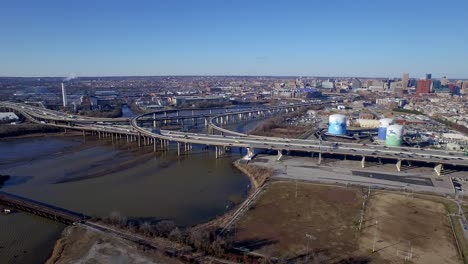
{"points": [[444, 81], [423, 87], [356, 83], [404, 80], [428, 76]]}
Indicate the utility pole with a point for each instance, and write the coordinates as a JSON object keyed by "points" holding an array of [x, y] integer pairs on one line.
{"points": [[296, 188], [375, 236]]}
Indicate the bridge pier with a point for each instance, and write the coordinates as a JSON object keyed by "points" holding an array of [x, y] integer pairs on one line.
{"points": [[398, 165], [319, 158], [438, 169], [139, 139], [178, 148], [280, 155], [363, 162], [250, 153]]}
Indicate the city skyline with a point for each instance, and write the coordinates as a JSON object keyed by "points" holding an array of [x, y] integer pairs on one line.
{"points": [[357, 39]]}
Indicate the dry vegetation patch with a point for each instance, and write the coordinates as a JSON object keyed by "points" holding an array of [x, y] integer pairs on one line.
{"points": [[404, 226], [259, 174], [319, 219]]}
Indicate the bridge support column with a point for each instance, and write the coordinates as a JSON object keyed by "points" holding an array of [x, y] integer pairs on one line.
{"points": [[127, 138], [319, 158], [398, 165], [178, 148], [438, 169], [344, 157], [84, 135], [250, 154], [139, 139], [280, 155], [216, 152], [380, 161], [363, 162], [154, 120]]}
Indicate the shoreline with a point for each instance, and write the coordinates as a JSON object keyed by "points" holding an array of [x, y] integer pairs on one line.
{"points": [[59, 252], [223, 219], [43, 134]]}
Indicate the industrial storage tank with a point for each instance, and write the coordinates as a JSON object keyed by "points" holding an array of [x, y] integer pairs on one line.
{"points": [[394, 135], [383, 125], [337, 125]]}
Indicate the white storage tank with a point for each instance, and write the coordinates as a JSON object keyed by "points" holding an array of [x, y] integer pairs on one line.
{"points": [[394, 136], [383, 125], [337, 124]]}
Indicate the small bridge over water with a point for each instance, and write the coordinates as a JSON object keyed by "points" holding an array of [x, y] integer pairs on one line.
{"points": [[41, 209]]}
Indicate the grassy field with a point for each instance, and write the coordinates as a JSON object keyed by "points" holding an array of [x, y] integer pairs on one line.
{"points": [[278, 223], [397, 225], [324, 219]]}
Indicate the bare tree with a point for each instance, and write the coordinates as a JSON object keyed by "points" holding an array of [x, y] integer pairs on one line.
{"points": [[164, 227], [145, 228], [176, 235], [115, 218], [216, 246]]}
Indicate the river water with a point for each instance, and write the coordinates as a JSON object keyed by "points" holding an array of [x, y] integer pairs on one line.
{"points": [[96, 177]]}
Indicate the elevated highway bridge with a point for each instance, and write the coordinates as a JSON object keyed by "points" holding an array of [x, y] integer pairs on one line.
{"points": [[134, 131]]}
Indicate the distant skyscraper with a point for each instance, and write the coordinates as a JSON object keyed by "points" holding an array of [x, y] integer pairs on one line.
{"points": [[444, 81], [423, 87], [356, 83], [428, 76], [404, 80]]}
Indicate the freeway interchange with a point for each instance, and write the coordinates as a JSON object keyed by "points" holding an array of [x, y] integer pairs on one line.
{"points": [[131, 127]]}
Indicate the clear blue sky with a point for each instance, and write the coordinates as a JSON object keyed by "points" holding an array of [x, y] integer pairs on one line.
{"points": [[234, 37]]}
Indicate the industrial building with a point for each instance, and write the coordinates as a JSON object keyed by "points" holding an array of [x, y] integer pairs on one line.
{"points": [[178, 100], [7, 117]]}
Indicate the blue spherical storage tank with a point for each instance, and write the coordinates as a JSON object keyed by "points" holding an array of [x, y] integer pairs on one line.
{"points": [[383, 125], [337, 125]]}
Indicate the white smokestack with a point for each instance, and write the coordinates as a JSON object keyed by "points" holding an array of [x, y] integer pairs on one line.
{"points": [[64, 95]]}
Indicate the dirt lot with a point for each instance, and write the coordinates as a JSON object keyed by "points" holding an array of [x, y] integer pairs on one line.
{"points": [[408, 225], [82, 245], [278, 223]]}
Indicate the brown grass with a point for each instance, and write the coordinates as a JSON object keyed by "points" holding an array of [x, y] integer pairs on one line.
{"points": [[258, 174], [400, 223], [278, 223]]}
